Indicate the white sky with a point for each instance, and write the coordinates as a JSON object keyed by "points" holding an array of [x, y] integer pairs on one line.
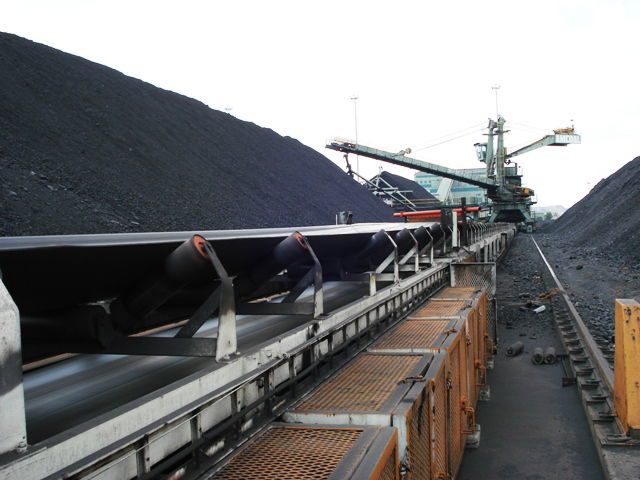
{"points": [[421, 70]]}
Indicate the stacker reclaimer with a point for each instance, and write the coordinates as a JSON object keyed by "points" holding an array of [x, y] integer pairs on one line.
{"points": [[510, 201]]}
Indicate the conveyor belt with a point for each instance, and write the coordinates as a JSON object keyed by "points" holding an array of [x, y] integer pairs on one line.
{"points": [[70, 392], [43, 273]]}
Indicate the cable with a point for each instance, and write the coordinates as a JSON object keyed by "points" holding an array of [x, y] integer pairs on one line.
{"points": [[475, 130], [530, 126]]}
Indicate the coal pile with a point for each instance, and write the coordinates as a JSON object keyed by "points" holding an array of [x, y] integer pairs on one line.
{"points": [[608, 218], [86, 149]]}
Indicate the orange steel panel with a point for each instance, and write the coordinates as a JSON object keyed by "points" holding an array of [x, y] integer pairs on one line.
{"points": [[627, 359], [473, 354], [463, 293], [483, 312], [455, 420], [291, 453], [461, 344], [364, 385], [459, 381], [391, 468], [439, 447], [441, 309], [419, 437], [413, 334], [470, 258]]}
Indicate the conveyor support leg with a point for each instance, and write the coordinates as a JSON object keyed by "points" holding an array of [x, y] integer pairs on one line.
{"points": [[13, 434]]}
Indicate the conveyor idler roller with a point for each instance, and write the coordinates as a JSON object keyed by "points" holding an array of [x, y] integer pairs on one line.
{"points": [[186, 264], [284, 254]]}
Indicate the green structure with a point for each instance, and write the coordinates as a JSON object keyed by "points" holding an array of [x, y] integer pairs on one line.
{"points": [[450, 191], [508, 199]]}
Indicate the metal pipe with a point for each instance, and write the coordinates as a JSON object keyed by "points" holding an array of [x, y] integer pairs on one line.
{"points": [[538, 356], [433, 213], [514, 349], [550, 356]]}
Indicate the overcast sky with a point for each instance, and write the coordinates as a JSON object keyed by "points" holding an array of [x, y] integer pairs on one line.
{"points": [[421, 70]]}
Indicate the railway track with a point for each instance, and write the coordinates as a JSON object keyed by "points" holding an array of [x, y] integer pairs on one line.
{"points": [[588, 364]]}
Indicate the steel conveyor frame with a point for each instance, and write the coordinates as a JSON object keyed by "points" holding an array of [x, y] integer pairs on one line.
{"points": [[160, 429]]}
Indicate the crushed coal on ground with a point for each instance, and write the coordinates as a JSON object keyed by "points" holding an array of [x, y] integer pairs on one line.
{"points": [[86, 149], [594, 248]]}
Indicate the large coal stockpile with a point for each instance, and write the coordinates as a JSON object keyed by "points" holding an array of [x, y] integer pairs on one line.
{"points": [[86, 149], [608, 218]]}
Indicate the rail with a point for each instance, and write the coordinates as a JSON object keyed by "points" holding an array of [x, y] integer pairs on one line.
{"points": [[586, 366]]}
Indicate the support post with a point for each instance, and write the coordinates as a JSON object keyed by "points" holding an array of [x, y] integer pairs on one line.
{"points": [[465, 226], [454, 231], [626, 366], [12, 412], [393, 257], [413, 252]]}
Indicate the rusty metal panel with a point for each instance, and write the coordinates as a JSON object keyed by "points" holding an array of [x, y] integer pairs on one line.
{"points": [[461, 372], [470, 363], [439, 434], [627, 359], [473, 355], [421, 336], [408, 408], [462, 293], [486, 329], [415, 416], [305, 452], [389, 465], [418, 453], [479, 275], [441, 309], [414, 334], [470, 258], [366, 384], [458, 381], [479, 340]]}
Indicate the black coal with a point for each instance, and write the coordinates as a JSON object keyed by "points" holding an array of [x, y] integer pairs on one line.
{"points": [[86, 149], [608, 218]]}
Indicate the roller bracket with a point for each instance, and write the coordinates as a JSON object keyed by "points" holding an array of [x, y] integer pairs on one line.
{"points": [[392, 257], [222, 299], [288, 306], [412, 253]]}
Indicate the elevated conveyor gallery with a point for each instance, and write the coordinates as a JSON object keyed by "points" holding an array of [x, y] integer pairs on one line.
{"points": [[107, 394]]}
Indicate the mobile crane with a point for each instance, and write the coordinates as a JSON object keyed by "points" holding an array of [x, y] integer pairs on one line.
{"points": [[510, 201]]}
